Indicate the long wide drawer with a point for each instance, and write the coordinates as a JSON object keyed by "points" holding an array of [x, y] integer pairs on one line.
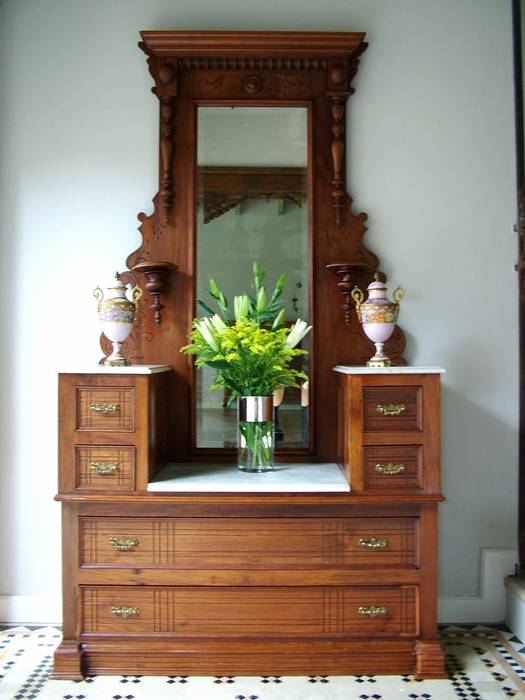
{"points": [[248, 543], [379, 611]]}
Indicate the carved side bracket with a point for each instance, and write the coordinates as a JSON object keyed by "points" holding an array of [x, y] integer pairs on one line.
{"points": [[156, 274], [348, 273]]}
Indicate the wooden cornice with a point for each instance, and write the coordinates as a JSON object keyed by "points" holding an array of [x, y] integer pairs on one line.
{"points": [[181, 44]]}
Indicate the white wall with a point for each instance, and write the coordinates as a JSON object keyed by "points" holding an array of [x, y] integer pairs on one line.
{"points": [[431, 143]]}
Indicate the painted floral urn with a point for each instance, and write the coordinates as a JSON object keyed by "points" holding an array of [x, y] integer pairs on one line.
{"points": [[116, 314], [377, 316]]}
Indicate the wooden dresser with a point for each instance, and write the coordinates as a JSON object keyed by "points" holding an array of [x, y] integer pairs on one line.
{"points": [[249, 583]]}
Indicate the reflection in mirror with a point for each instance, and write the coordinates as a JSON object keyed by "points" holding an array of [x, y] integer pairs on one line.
{"points": [[252, 207]]}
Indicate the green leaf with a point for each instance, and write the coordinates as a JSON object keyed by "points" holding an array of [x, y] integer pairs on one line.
{"points": [[205, 307], [218, 364]]}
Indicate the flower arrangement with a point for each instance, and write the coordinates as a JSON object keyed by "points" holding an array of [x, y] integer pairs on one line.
{"points": [[253, 350]]}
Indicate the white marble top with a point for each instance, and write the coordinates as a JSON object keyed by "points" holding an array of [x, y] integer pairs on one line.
{"points": [[350, 369], [286, 478], [107, 369]]}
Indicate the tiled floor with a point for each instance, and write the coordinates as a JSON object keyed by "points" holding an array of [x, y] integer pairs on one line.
{"points": [[483, 662]]}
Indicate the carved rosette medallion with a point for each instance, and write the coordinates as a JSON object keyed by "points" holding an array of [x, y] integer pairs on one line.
{"points": [[252, 84]]}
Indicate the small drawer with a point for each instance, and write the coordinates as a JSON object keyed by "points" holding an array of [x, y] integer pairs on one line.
{"points": [[100, 468], [277, 612], [388, 408], [393, 467], [105, 409], [248, 543]]}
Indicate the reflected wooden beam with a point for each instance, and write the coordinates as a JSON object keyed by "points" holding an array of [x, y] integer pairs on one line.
{"points": [[221, 189]]}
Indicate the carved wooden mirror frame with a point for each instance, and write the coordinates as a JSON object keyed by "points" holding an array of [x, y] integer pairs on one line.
{"points": [[313, 69]]}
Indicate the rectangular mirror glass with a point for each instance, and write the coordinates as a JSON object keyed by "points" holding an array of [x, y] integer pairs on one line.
{"points": [[252, 207]]}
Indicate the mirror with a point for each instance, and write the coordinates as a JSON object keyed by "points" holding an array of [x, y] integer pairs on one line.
{"points": [[252, 205]]}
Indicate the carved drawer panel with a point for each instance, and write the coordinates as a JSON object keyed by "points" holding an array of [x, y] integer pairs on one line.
{"points": [[392, 408], [393, 467], [105, 468], [248, 543], [367, 611], [107, 408]]}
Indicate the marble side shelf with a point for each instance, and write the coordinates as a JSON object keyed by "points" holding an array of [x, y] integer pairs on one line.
{"points": [[107, 369], [351, 369], [286, 478]]}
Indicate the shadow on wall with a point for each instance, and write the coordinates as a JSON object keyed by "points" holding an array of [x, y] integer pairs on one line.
{"points": [[480, 484], [9, 278]]}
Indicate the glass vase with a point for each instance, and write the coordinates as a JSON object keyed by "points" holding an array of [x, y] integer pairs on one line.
{"points": [[255, 434]]}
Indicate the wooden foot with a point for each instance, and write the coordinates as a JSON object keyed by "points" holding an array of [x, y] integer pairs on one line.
{"points": [[68, 662], [430, 660]]}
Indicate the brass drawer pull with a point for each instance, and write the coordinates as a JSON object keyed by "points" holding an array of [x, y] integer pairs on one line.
{"points": [[374, 542], [390, 468], [391, 409], [372, 610], [123, 544], [123, 611], [104, 408], [104, 467]]}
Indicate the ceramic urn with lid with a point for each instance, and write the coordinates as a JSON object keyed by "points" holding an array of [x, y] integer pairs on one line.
{"points": [[116, 314], [378, 316]]}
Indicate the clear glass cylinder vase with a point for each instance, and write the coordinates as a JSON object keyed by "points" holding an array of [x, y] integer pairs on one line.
{"points": [[255, 434]]}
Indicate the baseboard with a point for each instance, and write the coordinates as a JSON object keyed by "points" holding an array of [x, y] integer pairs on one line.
{"points": [[30, 610], [489, 605], [515, 605]]}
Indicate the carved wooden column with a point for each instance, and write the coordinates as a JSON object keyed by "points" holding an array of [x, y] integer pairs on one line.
{"points": [[164, 73]]}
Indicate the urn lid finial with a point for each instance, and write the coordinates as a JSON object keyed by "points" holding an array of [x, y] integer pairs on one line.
{"points": [[377, 282], [118, 284]]}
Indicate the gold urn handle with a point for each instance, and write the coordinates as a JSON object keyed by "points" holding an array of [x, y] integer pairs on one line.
{"points": [[373, 542], [389, 468], [358, 296], [372, 610], [391, 409], [399, 293], [104, 468], [99, 296], [136, 295], [125, 611], [104, 408], [123, 544]]}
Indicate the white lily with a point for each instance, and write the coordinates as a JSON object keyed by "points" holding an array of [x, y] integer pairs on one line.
{"points": [[205, 328], [297, 333], [218, 323], [241, 307]]}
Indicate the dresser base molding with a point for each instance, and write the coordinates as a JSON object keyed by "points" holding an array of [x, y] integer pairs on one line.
{"points": [[430, 660], [242, 658], [68, 662]]}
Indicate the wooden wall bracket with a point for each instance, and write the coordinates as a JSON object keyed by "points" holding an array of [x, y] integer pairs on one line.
{"points": [[348, 273], [156, 274]]}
